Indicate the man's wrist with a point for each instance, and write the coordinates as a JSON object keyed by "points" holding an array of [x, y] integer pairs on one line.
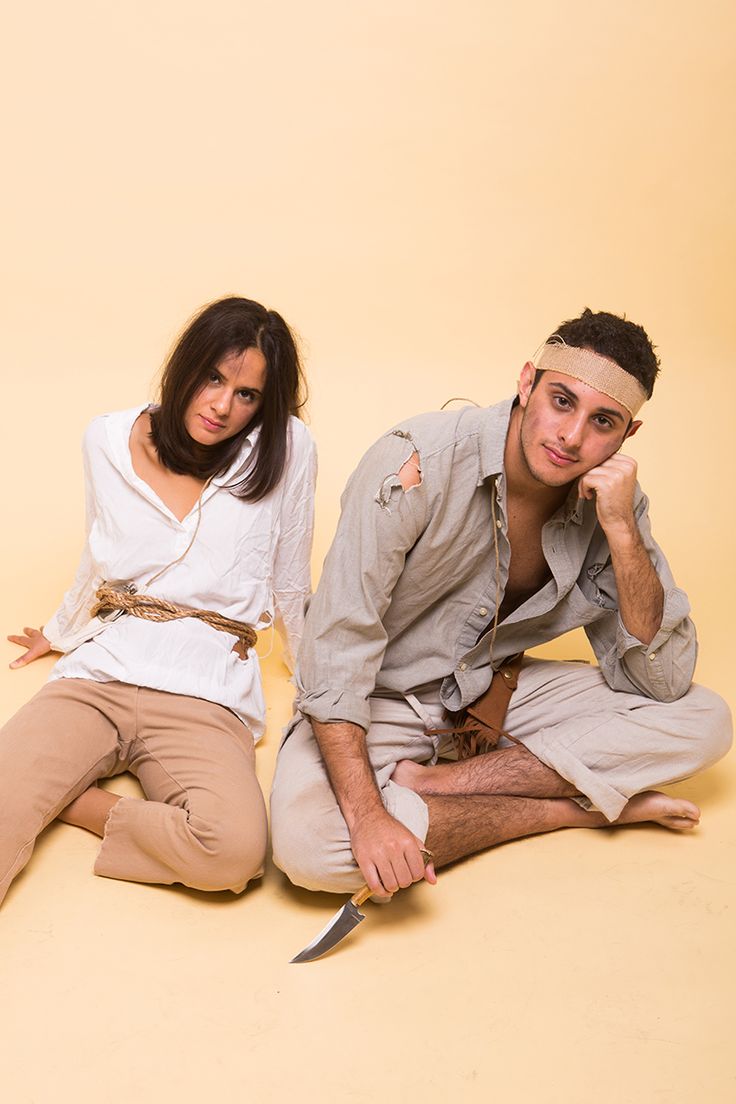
{"points": [[623, 537], [353, 780], [369, 807]]}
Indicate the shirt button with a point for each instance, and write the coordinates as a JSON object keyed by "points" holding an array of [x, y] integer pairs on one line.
{"points": [[652, 655], [463, 667], [483, 611], [498, 523]]}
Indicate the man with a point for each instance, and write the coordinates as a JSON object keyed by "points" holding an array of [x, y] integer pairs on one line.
{"points": [[465, 538]]}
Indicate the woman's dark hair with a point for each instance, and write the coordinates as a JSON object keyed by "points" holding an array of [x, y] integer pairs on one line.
{"points": [[617, 338], [225, 327]]}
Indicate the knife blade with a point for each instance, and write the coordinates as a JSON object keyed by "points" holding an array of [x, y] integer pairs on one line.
{"points": [[342, 923]]}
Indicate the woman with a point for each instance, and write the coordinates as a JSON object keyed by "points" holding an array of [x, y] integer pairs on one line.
{"points": [[199, 524]]}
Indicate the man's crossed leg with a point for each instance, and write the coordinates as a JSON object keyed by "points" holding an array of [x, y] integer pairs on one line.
{"points": [[589, 759]]}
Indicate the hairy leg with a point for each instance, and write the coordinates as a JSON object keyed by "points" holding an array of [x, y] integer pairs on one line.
{"points": [[513, 771], [90, 810], [460, 826]]}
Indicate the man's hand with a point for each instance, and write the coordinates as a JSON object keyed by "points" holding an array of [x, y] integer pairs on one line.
{"points": [[36, 643], [388, 854], [640, 593], [613, 484]]}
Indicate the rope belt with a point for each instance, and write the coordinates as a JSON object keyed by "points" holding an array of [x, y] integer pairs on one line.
{"points": [[113, 600]]}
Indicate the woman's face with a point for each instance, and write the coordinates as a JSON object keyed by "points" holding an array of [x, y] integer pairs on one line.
{"points": [[229, 399]]}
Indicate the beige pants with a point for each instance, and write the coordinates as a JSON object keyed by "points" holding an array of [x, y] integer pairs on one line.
{"points": [[609, 745], [204, 823]]}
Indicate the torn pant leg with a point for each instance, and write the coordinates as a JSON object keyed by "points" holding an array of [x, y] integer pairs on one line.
{"points": [[611, 745], [310, 838], [204, 823], [51, 750]]}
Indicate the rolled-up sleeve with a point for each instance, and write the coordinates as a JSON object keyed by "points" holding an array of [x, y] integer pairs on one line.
{"points": [[663, 669], [344, 638]]}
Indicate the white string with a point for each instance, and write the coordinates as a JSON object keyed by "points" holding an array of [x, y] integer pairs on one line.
{"points": [[272, 627]]}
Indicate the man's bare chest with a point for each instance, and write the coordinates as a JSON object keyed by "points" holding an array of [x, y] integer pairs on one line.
{"points": [[528, 568]]}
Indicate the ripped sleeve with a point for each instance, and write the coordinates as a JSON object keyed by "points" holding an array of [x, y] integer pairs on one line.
{"points": [[408, 475], [344, 637]]}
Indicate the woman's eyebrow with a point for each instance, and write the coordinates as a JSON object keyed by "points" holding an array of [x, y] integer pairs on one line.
{"points": [[245, 387]]}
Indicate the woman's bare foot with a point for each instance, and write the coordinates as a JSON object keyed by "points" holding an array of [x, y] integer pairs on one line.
{"points": [[671, 812], [90, 810]]}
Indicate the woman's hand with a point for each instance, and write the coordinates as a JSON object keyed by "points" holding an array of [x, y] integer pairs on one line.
{"points": [[36, 643]]}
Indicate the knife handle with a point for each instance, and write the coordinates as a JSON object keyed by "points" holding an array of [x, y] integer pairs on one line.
{"points": [[362, 895], [365, 891]]}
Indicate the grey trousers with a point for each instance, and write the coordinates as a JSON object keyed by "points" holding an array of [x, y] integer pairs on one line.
{"points": [[609, 745], [204, 823]]}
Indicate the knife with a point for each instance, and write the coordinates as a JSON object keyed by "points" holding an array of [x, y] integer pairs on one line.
{"points": [[342, 923]]}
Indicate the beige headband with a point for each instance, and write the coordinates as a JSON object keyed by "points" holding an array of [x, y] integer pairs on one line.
{"points": [[599, 372]]}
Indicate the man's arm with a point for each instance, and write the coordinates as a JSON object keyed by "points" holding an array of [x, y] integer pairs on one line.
{"points": [[648, 644], [640, 593], [387, 853], [383, 514]]}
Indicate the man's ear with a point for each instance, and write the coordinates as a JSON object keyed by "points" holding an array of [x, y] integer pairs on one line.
{"points": [[526, 382], [632, 429]]}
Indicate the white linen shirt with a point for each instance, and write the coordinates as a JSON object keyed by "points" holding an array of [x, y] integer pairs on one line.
{"points": [[249, 561]]}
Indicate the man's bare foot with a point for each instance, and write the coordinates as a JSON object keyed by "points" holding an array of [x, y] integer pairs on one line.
{"points": [[414, 776], [671, 812]]}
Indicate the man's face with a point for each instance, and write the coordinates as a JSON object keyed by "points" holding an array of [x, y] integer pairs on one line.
{"points": [[567, 427]]}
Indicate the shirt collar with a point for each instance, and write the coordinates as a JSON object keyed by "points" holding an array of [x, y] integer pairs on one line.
{"points": [[242, 462], [493, 439], [573, 507], [119, 427]]}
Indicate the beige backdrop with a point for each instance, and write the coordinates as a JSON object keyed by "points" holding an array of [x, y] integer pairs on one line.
{"points": [[424, 190]]}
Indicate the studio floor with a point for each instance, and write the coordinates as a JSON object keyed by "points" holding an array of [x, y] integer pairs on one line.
{"points": [[572, 967]]}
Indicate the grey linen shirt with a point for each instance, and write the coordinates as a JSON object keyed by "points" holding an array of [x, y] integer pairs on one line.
{"points": [[408, 591]]}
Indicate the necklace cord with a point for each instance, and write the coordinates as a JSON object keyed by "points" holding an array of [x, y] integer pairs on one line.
{"points": [[497, 557]]}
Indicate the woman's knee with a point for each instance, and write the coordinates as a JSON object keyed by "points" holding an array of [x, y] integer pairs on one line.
{"points": [[230, 858]]}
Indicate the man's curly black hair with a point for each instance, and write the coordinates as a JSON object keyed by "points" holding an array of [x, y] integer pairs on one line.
{"points": [[617, 338]]}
